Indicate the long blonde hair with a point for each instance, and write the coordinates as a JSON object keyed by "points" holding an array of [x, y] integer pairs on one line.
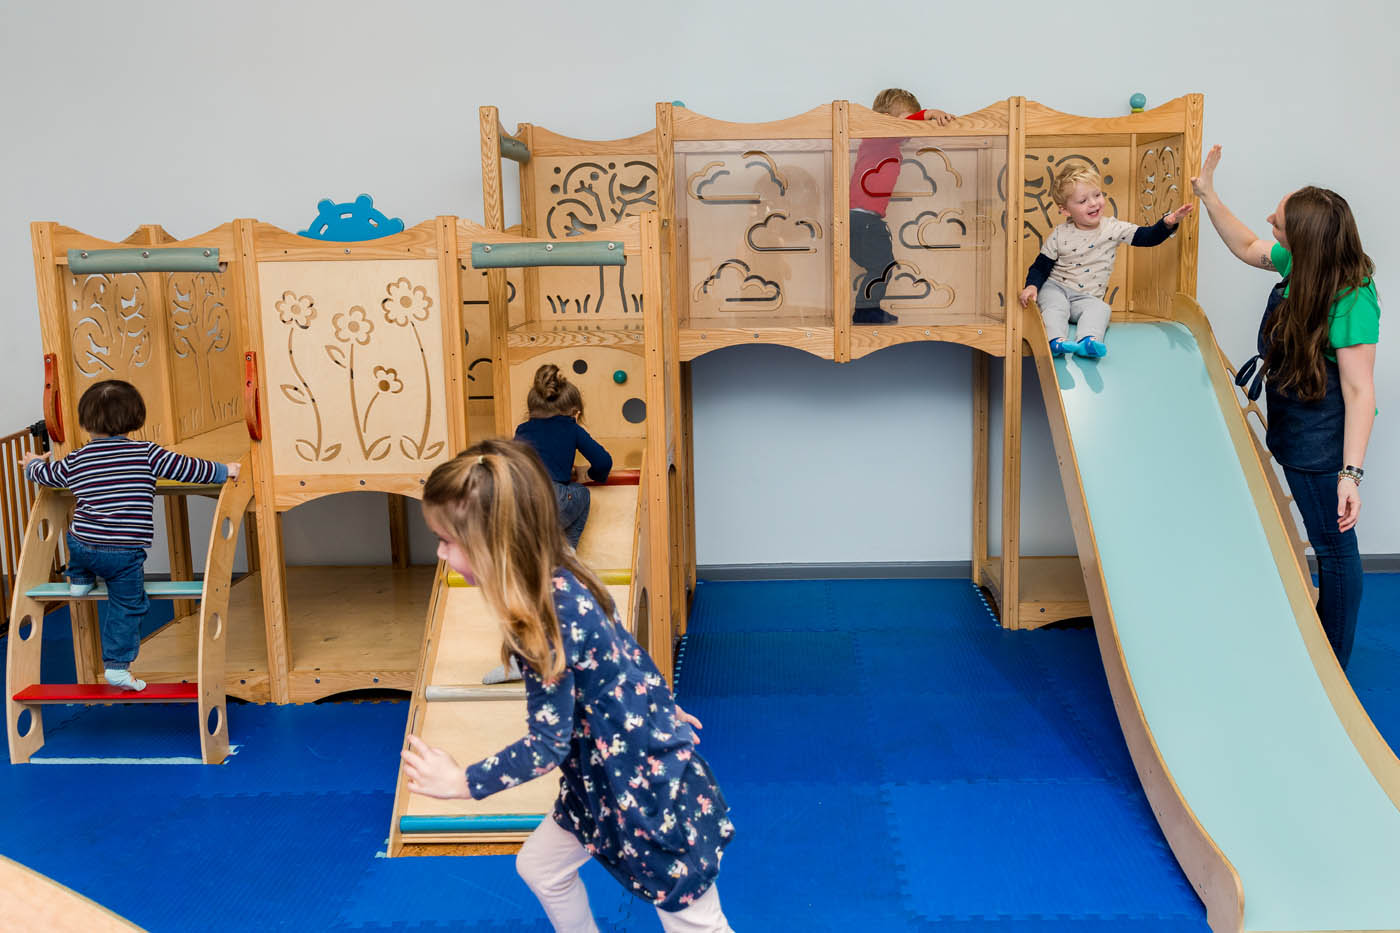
{"points": [[496, 500]]}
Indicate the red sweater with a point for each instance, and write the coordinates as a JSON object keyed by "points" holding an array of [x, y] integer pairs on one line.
{"points": [[875, 172]]}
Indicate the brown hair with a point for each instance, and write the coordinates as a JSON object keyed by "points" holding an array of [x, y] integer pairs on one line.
{"points": [[1328, 262], [111, 407], [552, 394], [1076, 173], [496, 500], [895, 98]]}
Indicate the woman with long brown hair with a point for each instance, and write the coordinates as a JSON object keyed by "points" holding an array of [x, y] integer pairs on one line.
{"points": [[1317, 357]]}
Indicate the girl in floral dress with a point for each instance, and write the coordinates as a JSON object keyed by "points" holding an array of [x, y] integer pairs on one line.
{"points": [[633, 794]]}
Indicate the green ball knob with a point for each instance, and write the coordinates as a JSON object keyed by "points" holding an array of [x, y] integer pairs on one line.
{"points": [[620, 376], [677, 103], [1137, 102]]}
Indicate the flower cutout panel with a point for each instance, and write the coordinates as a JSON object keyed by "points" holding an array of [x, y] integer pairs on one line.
{"points": [[940, 257], [354, 366], [754, 221], [205, 360]]}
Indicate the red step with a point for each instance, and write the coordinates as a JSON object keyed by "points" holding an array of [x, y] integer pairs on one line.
{"points": [[106, 693], [618, 478]]}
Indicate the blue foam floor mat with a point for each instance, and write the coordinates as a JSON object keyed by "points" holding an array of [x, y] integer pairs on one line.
{"points": [[894, 761]]}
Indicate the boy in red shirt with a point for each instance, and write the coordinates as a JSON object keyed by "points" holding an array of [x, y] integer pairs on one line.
{"points": [[872, 179]]}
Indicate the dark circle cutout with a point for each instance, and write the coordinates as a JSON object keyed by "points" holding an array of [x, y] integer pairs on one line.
{"points": [[580, 366], [634, 410]]}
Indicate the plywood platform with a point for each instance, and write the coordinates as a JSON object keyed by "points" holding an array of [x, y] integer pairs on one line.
{"points": [[1052, 589], [351, 628]]}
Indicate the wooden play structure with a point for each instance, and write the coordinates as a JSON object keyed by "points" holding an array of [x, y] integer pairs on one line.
{"points": [[37, 902]]}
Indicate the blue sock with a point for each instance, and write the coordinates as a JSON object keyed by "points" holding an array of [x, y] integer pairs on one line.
{"points": [[1090, 348], [1060, 346]]}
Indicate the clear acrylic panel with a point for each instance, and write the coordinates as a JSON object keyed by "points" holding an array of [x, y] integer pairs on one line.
{"points": [[753, 232], [928, 230]]}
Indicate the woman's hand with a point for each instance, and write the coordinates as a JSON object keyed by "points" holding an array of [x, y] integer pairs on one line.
{"points": [[1203, 185], [689, 720], [1348, 504], [432, 772], [1028, 294]]}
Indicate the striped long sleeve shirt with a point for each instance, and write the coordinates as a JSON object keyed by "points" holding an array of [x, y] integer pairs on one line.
{"points": [[114, 481]]}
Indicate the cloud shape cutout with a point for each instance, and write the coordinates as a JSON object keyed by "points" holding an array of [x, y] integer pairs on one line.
{"points": [[776, 233], [737, 288], [718, 183], [912, 178], [904, 284], [934, 230]]}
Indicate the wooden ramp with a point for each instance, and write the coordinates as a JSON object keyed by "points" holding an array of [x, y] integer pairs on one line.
{"points": [[1278, 796], [451, 708], [36, 902]]}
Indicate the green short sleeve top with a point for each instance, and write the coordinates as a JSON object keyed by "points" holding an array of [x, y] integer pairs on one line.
{"points": [[1356, 315]]}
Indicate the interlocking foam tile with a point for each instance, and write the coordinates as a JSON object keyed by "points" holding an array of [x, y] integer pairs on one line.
{"points": [[966, 736], [1383, 706], [1044, 924], [763, 663], [922, 603], [124, 731], [1018, 848], [232, 863], [766, 606], [967, 658], [808, 738], [809, 856], [1379, 623]]}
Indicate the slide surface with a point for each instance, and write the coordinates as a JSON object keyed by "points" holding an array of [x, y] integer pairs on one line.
{"points": [[1278, 796]]}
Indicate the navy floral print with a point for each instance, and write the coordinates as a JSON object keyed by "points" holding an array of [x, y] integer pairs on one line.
{"points": [[633, 790]]}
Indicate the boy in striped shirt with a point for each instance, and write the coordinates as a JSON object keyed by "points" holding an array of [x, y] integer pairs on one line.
{"points": [[113, 479]]}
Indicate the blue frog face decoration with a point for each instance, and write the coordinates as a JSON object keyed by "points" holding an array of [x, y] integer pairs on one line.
{"points": [[351, 222]]}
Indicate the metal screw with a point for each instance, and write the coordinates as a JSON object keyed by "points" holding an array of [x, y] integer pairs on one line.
{"points": [[347, 251], [83, 254], [612, 246], [549, 247], [362, 482], [755, 336], [207, 253], [979, 332], [486, 248], [809, 333], [926, 333], [145, 254]]}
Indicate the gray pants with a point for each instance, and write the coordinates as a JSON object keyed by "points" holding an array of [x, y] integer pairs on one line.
{"points": [[1060, 307]]}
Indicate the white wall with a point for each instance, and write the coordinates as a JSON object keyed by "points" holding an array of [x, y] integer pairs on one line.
{"points": [[189, 115]]}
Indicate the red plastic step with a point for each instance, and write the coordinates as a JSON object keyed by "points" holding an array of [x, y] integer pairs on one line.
{"points": [[618, 478], [106, 693]]}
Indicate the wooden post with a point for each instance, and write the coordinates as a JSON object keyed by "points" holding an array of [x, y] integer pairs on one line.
{"points": [[398, 530], [981, 461], [1011, 375], [1191, 225], [658, 513], [841, 298], [687, 468], [269, 521], [177, 537]]}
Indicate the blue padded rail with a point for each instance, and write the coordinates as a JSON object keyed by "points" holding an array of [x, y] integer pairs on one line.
{"points": [[485, 823], [155, 589]]}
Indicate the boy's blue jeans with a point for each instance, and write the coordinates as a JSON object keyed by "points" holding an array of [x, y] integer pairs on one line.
{"points": [[124, 570], [1339, 575]]}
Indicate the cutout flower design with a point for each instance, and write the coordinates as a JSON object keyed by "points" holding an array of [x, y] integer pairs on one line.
{"points": [[406, 301], [386, 379], [294, 310], [353, 325]]}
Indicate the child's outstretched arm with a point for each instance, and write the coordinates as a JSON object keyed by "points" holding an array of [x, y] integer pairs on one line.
{"points": [[38, 469], [1162, 230], [937, 117], [1035, 277], [599, 460], [1238, 238], [167, 464]]}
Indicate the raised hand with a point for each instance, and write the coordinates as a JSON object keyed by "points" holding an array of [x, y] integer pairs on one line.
{"points": [[1203, 185], [1176, 216]]}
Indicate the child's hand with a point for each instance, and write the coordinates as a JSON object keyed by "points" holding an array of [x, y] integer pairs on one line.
{"points": [[233, 469], [1175, 216], [939, 117], [1203, 185], [689, 720], [432, 772], [1029, 294], [30, 456]]}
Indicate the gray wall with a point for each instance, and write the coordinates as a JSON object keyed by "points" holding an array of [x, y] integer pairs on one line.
{"points": [[189, 115]]}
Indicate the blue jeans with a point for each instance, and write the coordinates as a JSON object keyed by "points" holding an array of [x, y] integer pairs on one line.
{"points": [[573, 500], [872, 250], [1339, 574], [124, 569]]}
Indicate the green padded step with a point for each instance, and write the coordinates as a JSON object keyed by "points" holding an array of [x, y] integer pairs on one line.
{"points": [[156, 589]]}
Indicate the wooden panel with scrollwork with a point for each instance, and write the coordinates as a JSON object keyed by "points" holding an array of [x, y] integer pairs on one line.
{"points": [[1161, 186], [575, 197], [476, 323], [205, 358]]}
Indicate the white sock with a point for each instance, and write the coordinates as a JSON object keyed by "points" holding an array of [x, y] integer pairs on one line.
{"points": [[79, 589], [499, 674], [123, 679]]}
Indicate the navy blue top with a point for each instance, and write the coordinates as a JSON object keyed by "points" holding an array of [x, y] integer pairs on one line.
{"points": [[555, 440]]}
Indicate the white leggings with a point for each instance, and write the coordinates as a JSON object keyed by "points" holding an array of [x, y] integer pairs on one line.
{"points": [[549, 862], [1060, 307]]}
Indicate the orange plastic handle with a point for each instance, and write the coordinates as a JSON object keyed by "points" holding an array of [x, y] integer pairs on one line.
{"points": [[53, 413], [252, 416]]}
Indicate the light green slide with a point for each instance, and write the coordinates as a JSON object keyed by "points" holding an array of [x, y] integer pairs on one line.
{"points": [[1278, 796]]}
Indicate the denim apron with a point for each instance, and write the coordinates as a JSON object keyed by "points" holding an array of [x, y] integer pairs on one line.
{"points": [[1301, 435]]}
